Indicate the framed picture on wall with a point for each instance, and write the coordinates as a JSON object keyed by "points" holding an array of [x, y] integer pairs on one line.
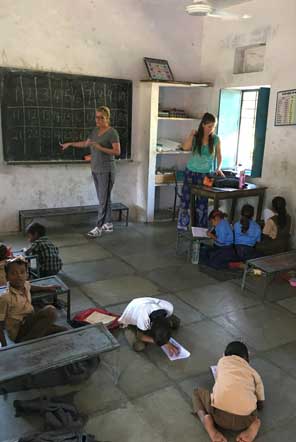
{"points": [[158, 69], [285, 114]]}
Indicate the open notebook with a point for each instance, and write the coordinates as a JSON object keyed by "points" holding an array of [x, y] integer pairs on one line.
{"points": [[183, 354]]}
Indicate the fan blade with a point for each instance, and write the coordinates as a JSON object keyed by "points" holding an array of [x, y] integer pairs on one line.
{"points": [[227, 16]]}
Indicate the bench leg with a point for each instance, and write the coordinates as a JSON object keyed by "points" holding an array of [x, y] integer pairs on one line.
{"points": [[68, 306], [120, 215], [245, 277], [126, 217]]}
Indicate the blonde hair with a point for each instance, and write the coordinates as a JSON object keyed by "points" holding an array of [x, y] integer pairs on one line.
{"points": [[105, 111]]}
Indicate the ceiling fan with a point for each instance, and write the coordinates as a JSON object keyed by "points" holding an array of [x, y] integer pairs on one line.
{"points": [[203, 8]]}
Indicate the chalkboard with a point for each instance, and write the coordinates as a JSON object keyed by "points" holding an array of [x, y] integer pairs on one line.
{"points": [[39, 109]]}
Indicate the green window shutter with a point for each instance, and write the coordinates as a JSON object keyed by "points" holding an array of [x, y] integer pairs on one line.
{"points": [[228, 125], [260, 131]]}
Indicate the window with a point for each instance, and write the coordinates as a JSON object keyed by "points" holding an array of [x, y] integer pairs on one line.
{"points": [[246, 135], [242, 127]]}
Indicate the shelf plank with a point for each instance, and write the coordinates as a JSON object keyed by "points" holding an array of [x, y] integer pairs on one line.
{"points": [[179, 183], [181, 152], [178, 118], [179, 83]]}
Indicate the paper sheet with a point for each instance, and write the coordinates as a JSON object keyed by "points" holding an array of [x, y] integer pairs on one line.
{"points": [[183, 352], [199, 232], [267, 213], [96, 317], [214, 371]]}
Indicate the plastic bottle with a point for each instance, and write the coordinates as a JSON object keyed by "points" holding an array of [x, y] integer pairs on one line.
{"points": [[195, 252], [242, 179]]}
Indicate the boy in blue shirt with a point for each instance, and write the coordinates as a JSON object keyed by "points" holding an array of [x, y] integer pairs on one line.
{"points": [[246, 234]]}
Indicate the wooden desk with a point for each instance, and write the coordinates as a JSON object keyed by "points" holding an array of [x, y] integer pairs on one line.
{"points": [[217, 194], [270, 266], [50, 280], [39, 355]]}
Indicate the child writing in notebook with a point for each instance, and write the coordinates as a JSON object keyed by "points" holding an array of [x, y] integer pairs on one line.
{"points": [[276, 230], [48, 254], [237, 395], [247, 233], [222, 252]]}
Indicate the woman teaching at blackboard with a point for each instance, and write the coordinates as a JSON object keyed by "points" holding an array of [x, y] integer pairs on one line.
{"points": [[104, 144]]}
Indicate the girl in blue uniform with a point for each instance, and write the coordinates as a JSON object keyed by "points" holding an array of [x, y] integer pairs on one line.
{"points": [[222, 252], [205, 147], [246, 234]]}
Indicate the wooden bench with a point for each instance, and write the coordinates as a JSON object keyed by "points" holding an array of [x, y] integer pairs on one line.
{"points": [[27, 216], [39, 355], [270, 266]]}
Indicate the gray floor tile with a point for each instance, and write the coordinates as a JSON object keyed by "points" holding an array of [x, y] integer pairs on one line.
{"points": [[263, 326], [170, 415], [68, 239], [178, 278], [289, 303], [145, 262], [123, 424], [78, 301], [132, 246], [204, 380], [206, 342], [83, 252], [95, 271], [284, 357], [217, 299], [280, 397], [139, 377], [98, 394], [185, 312], [119, 290], [284, 432]]}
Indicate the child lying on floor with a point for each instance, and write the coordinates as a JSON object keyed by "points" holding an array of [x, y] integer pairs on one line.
{"points": [[237, 394], [149, 321]]}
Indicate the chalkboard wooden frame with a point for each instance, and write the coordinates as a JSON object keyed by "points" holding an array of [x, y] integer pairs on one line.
{"points": [[39, 109]]}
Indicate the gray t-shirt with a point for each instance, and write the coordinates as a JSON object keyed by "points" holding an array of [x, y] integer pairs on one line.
{"points": [[102, 162]]}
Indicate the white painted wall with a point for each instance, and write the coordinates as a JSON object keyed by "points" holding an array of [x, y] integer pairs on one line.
{"points": [[272, 22], [95, 37]]}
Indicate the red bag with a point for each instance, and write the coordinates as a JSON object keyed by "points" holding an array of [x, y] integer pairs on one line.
{"points": [[82, 317]]}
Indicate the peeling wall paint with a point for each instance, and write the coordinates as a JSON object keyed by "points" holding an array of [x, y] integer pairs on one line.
{"points": [[274, 25], [100, 38]]}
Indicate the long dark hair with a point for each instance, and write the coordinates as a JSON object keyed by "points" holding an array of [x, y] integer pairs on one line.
{"points": [[206, 119], [279, 206], [247, 214], [218, 213]]}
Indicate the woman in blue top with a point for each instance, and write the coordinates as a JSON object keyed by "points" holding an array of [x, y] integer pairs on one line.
{"points": [[206, 148], [246, 234]]}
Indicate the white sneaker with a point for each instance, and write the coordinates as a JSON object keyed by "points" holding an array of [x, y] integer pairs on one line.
{"points": [[94, 233], [108, 227]]}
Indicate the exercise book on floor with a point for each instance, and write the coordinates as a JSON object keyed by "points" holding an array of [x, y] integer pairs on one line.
{"points": [[214, 371], [199, 232], [183, 354]]}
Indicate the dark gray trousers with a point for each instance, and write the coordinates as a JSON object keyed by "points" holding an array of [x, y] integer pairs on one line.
{"points": [[104, 183]]}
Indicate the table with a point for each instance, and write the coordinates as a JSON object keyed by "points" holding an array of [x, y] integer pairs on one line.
{"points": [[50, 280], [223, 194], [55, 351], [270, 265]]}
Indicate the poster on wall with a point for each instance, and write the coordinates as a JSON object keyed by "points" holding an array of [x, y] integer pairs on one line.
{"points": [[285, 114]]}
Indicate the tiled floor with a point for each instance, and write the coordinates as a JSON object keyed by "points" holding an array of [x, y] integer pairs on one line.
{"points": [[152, 399]]}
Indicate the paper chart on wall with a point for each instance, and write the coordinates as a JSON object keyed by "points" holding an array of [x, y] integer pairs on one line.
{"points": [[183, 353]]}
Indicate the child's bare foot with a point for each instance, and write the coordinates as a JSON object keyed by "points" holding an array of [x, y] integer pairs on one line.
{"points": [[212, 431], [251, 432]]}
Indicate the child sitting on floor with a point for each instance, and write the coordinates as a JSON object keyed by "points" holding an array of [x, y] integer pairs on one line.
{"points": [[222, 252], [247, 233], [149, 321], [48, 254], [237, 394], [276, 231], [5, 253], [17, 313]]}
